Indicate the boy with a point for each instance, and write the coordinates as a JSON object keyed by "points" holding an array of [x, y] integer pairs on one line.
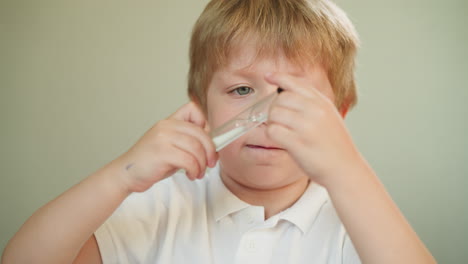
{"points": [[269, 198]]}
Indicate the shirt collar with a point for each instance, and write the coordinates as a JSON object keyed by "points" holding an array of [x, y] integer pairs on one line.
{"points": [[302, 214], [222, 201]]}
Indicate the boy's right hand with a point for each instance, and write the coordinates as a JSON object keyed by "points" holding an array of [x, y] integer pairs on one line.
{"points": [[178, 142]]}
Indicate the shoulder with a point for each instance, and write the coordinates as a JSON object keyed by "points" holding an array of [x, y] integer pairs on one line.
{"points": [[144, 221], [332, 226], [171, 193]]}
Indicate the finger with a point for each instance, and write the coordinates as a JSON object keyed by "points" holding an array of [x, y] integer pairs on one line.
{"points": [[285, 117], [308, 105], [281, 135], [296, 123], [202, 136], [293, 101], [190, 112], [291, 83], [191, 145], [181, 159], [307, 108]]}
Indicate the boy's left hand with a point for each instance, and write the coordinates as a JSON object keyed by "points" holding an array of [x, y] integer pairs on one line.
{"points": [[305, 122]]}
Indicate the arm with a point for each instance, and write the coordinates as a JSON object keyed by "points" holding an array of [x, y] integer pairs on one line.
{"points": [[377, 228], [58, 231], [306, 123], [89, 253]]}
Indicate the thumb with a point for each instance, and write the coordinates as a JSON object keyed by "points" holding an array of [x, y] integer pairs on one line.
{"points": [[190, 112]]}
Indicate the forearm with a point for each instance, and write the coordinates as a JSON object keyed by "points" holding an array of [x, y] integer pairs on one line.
{"points": [[57, 231], [377, 228]]}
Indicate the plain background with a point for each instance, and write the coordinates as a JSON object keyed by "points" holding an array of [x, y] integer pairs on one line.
{"points": [[81, 81]]}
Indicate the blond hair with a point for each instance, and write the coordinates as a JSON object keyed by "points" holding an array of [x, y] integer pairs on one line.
{"points": [[307, 31]]}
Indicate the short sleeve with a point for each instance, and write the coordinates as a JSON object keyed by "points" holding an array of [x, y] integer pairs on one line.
{"points": [[128, 235], [350, 255]]}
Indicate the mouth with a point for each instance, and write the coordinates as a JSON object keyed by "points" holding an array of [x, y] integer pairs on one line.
{"points": [[263, 147]]}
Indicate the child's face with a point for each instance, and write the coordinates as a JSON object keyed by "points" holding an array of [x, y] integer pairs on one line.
{"points": [[254, 160]]}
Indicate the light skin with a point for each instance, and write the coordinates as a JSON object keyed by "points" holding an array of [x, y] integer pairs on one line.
{"points": [[305, 140], [257, 168]]}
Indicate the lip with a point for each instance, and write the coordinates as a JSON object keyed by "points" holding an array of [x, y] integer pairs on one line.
{"points": [[261, 147]]}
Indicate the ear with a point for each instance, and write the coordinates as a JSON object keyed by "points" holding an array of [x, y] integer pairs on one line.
{"points": [[344, 110]]}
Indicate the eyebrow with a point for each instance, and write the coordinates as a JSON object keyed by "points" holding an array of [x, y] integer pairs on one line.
{"points": [[245, 72]]}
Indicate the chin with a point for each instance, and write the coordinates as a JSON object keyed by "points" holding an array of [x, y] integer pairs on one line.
{"points": [[259, 164], [265, 176]]}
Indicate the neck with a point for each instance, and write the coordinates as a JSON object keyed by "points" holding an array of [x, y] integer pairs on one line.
{"points": [[273, 200]]}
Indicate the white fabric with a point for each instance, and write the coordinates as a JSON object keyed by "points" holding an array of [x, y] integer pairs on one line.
{"points": [[180, 221]]}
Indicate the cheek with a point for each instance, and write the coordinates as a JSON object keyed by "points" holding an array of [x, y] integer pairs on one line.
{"points": [[222, 108], [328, 92], [234, 148], [219, 114], [213, 115], [325, 88], [230, 155]]}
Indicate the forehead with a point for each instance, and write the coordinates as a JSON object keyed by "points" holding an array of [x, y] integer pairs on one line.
{"points": [[247, 56], [245, 59]]}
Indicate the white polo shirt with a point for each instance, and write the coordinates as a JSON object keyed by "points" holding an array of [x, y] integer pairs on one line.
{"points": [[180, 221]]}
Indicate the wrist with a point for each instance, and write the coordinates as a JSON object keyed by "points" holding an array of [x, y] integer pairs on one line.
{"points": [[116, 176], [348, 173]]}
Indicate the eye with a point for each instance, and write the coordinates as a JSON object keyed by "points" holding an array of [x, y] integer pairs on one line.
{"points": [[243, 90]]}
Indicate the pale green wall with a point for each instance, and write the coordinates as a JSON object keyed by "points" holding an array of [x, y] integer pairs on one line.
{"points": [[82, 80]]}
